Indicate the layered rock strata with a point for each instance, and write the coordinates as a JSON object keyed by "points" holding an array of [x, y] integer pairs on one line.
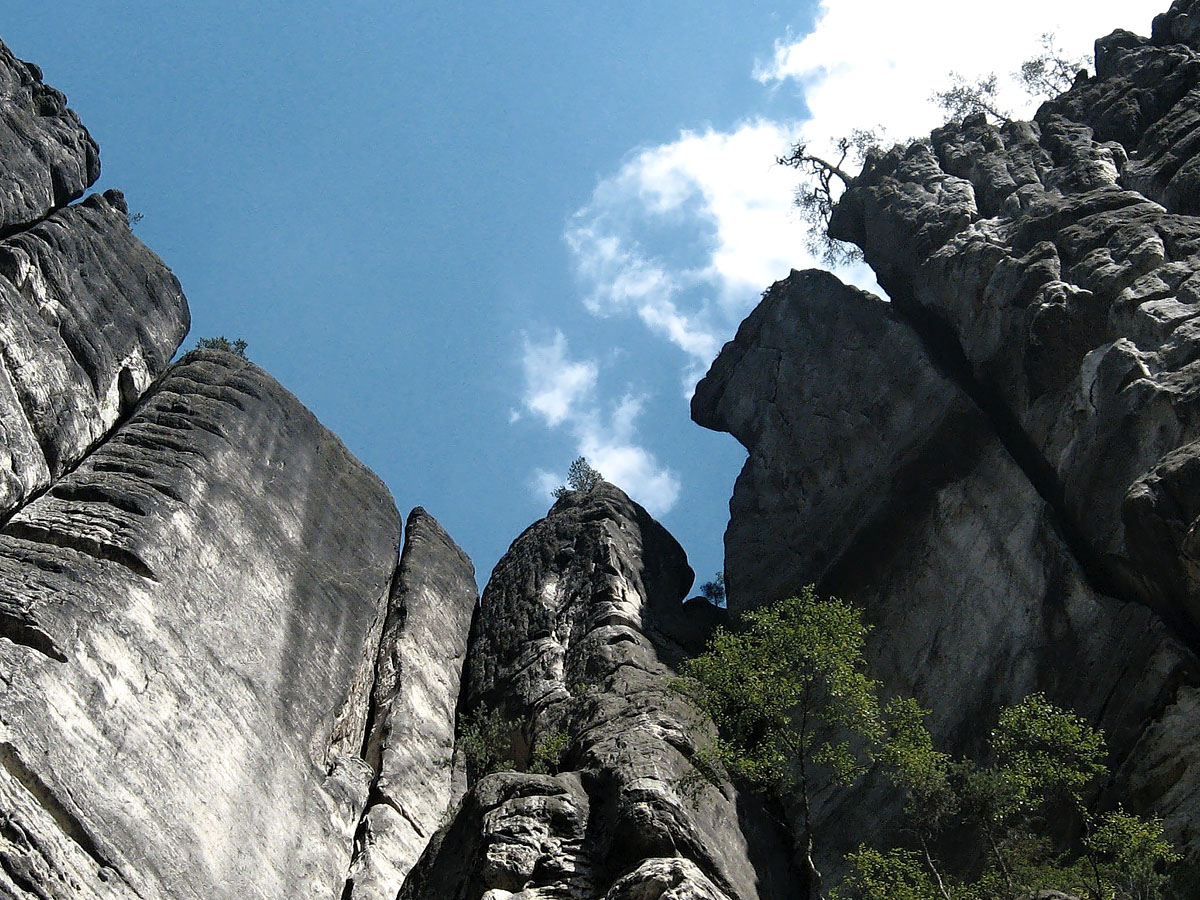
{"points": [[572, 645], [210, 683], [89, 317], [1059, 259], [193, 616]]}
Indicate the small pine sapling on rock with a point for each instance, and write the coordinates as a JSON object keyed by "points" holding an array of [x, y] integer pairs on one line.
{"points": [[581, 477]]}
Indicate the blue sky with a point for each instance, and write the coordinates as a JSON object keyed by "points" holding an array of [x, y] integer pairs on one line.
{"points": [[478, 239]]}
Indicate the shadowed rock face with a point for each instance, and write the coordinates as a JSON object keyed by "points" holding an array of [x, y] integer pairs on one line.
{"points": [[574, 636], [872, 473], [49, 158], [193, 616], [1000, 465]]}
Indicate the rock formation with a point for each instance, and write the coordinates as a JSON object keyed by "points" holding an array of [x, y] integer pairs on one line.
{"points": [[218, 680], [574, 637], [417, 679], [214, 680], [997, 464]]}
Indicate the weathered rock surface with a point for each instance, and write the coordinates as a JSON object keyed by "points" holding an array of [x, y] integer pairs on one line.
{"points": [[574, 637], [89, 317], [192, 619], [872, 473], [49, 159], [1059, 257], [417, 679]]}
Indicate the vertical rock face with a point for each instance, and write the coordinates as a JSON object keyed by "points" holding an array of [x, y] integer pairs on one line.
{"points": [[874, 474], [417, 681], [572, 645], [49, 158], [999, 465], [195, 577], [193, 617]]}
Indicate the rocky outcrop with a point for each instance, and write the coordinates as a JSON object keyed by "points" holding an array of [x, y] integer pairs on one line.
{"points": [[417, 679], [192, 617], [572, 645], [49, 158], [874, 474], [1057, 258], [89, 317], [211, 685]]}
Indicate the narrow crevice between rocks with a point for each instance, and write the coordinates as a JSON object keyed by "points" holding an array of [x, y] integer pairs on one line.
{"points": [[7, 231], [66, 822], [366, 751], [942, 345]]}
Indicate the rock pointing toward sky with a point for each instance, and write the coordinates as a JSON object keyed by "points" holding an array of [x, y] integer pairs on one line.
{"points": [[572, 646], [227, 670]]}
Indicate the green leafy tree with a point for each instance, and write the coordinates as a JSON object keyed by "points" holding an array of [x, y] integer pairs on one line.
{"points": [[781, 690], [714, 591], [549, 753], [789, 693], [1041, 763], [580, 477], [1131, 854], [485, 738], [236, 347]]}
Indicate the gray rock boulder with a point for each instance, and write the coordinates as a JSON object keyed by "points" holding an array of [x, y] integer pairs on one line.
{"points": [[48, 157], [573, 643], [191, 622]]}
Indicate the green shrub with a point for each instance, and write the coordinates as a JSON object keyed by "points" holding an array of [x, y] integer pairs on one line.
{"points": [[580, 477], [236, 347], [485, 738], [549, 753]]}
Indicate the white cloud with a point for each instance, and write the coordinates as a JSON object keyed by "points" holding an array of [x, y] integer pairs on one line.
{"points": [[868, 63], [684, 235], [720, 208], [554, 386], [561, 392]]}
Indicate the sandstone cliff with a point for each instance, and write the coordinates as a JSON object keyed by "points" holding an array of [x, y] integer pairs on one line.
{"points": [[997, 464], [222, 677]]}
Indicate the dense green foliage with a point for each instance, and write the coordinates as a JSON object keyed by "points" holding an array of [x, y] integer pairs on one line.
{"points": [[789, 692], [236, 347], [790, 695], [549, 753], [485, 741]]}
